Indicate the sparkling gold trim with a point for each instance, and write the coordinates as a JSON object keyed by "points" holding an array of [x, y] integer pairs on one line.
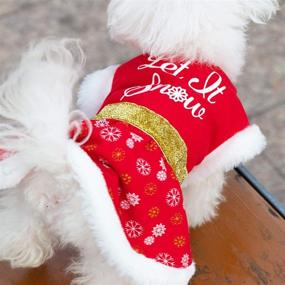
{"points": [[167, 137]]}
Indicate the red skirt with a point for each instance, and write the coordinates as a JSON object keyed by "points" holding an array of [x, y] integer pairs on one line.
{"points": [[145, 192]]}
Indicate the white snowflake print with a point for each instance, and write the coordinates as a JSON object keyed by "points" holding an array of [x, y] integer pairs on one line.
{"points": [[125, 205], [161, 175], [143, 167], [173, 197], [162, 164], [177, 94], [101, 123], [185, 260], [133, 229], [136, 137], [130, 143], [110, 134], [165, 259], [159, 230], [133, 199], [149, 240]]}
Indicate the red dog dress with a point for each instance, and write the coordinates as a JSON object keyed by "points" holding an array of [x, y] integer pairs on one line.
{"points": [[145, 191], [160, 120]]}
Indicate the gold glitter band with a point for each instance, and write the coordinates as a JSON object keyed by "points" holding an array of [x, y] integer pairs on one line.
{"points": [[167, 137]]}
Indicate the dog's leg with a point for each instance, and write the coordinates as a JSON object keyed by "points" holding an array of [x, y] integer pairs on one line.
{"points": [[68, 223], [201, 198], [92, 269], [24, 240]]}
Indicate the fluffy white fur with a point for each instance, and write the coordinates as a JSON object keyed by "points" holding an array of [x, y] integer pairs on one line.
{"points": [[94, 89], [49, 200], [36, 101], [24, 240], [43, 210], [12, 170], [53, 204], [208, 31], [202, 197]]}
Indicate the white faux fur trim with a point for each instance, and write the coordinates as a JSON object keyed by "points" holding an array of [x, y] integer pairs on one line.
{"points": [[110, 237], [94, 89], [240, 148]]}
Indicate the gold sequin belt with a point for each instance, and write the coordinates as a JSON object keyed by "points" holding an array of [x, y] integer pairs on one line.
{"points": [[166, 136]]}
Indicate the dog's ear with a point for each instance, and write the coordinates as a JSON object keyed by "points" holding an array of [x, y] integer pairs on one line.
{"points": [[259, 11]]}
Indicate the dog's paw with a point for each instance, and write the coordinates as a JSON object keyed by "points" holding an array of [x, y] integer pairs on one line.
{"points": [[24, 241], [202, 199], [26, 250], [198, 217]]}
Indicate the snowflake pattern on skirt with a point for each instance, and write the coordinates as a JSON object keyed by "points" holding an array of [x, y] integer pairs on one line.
{"points": [[159, 230], [143, 167], [101, 123], [185, 260], [173, 197], [110, 134], [165, 259], [133, 199], [133, 229], [149, 200], [149, 240]]}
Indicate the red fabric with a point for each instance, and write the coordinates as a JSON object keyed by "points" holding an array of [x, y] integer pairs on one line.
{"points": [[201, 103], [145, 192], [158, 81]]}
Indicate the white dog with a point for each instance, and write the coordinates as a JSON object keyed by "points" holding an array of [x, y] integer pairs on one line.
{"points": [[52, 192]]}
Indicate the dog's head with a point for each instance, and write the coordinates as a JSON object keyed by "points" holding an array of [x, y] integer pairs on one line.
{"points": [[210, 31]]}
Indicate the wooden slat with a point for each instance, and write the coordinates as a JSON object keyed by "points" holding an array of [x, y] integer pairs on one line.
{"points": [[244, 245]]}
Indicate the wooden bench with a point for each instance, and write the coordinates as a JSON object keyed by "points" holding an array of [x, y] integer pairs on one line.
{"points": [[244, 245]]}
